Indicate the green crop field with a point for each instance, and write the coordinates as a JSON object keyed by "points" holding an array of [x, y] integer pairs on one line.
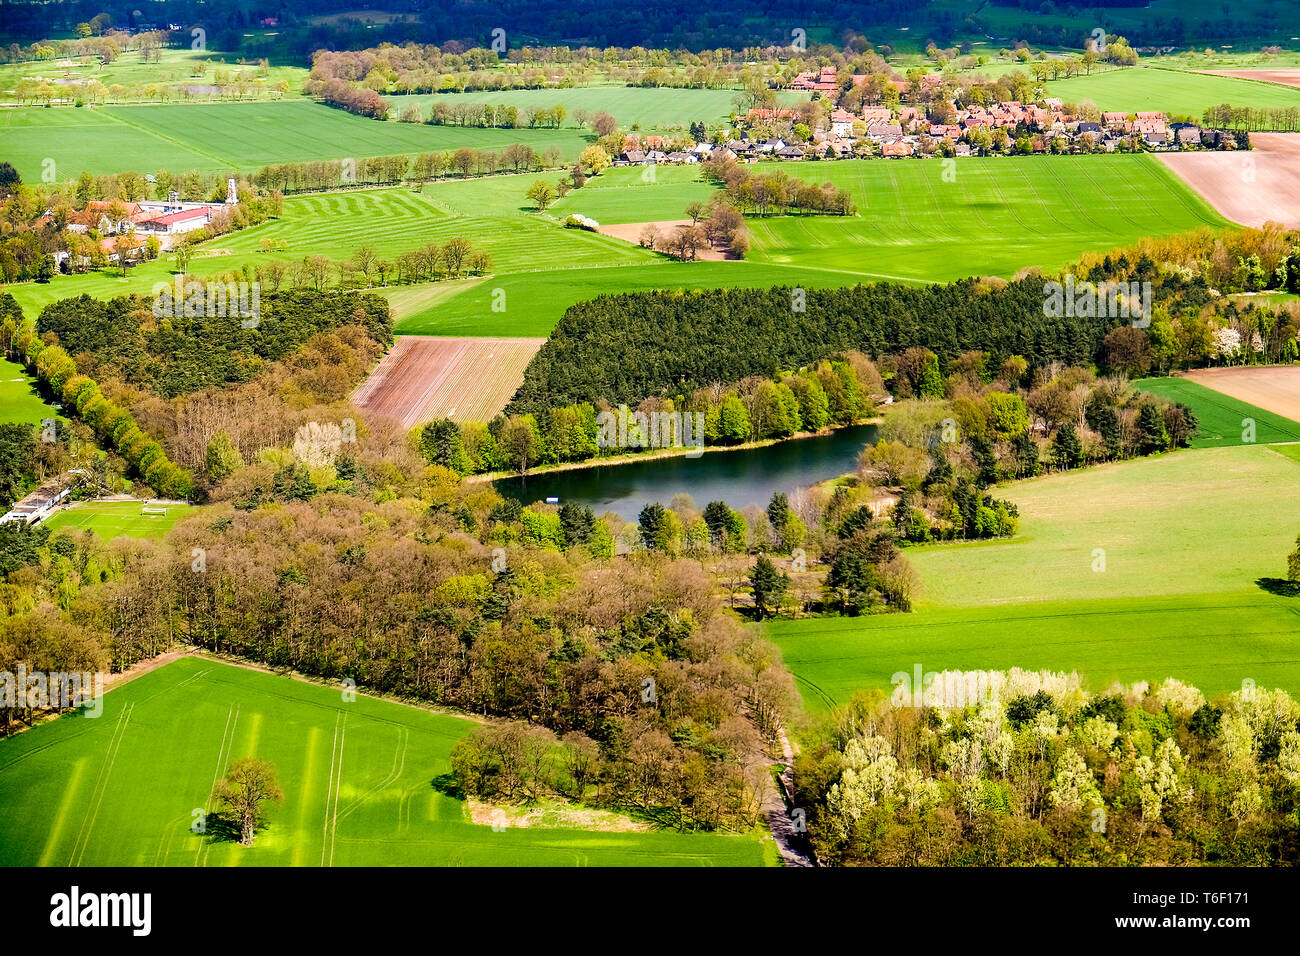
{"points": [[364, 785], [646, 108], [1183, 538], [117, 519], [995, 216], [1173, 91], [19, 401], [534, 301], [1222, 420], [231, 136]]}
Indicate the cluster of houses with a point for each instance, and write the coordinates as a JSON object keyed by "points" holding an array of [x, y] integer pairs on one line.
{"points": [[163, 219], [907, 131]]}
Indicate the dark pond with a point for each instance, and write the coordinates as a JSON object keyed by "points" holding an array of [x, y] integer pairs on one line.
{"points": [[739, 478]]}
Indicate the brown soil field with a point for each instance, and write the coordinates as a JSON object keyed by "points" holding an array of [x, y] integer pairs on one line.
{"points": [[1285, 77], [1274, 388], [631, 232], [1251, 187], [465, 379]]}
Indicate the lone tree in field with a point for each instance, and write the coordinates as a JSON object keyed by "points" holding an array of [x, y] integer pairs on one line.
{"points": [[242, 794], [1293, 562], [542, 193]]}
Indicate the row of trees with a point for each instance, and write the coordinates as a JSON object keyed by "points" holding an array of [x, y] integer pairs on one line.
{"points": [[365, 268], [778, 191], [115, 427], [1252, 119], [834, 392], [488, 116]]}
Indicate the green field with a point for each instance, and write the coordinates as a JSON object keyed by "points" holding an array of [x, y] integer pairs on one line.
{"points": [[646, 108], [116, 519], [19, 401], [995, 217], [1184, 536], [1172, 91], [231, 136], [1221, 418], [632, 194], [363, 784], [998, 217]]}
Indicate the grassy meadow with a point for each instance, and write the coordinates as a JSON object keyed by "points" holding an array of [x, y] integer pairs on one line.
{"points": [[1183, 538], [365, 784]]}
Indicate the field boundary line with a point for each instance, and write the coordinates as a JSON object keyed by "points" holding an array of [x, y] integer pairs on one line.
{"points": [[227, 742], [101, 785]]}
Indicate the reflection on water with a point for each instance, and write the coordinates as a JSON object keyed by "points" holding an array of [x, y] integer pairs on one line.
{"points": [[739, 478]]}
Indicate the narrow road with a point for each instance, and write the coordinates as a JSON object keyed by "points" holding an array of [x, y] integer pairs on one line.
{"points": [[783, 820]]}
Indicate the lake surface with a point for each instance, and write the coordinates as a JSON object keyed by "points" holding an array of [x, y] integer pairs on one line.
{"points": [[740, 478]]}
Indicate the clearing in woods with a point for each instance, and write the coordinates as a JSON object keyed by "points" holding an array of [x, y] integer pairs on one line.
{"points": [[366, 782], [464, 379]]}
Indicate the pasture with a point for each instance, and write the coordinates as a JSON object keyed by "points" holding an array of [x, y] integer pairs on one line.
{"points": [[19, 400], [1137, 570], [1222, 419], [117, 519], [242, 137], [365, 784]]}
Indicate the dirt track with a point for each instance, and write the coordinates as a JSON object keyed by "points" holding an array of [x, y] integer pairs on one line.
{"points": [[1247, 187], [465, 379], [1274, 389], [1284, 77]]}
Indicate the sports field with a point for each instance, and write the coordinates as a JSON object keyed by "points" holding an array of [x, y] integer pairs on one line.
{"points": [[19, 401], [1177, 542], [364, 785], [1222, 419], [232, 136], [117, 519]]}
